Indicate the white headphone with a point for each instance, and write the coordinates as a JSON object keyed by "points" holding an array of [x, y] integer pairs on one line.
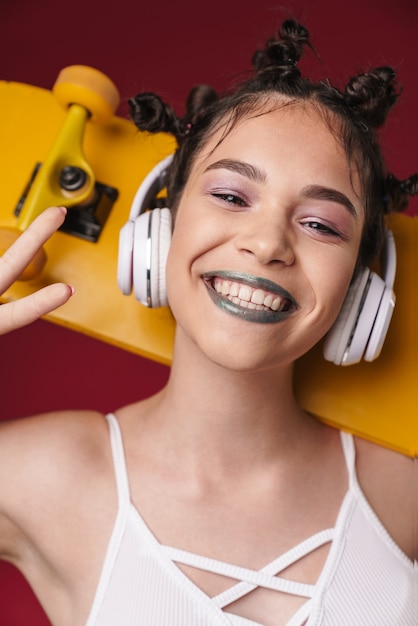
{"points": [[362, 324], [144, 242]]}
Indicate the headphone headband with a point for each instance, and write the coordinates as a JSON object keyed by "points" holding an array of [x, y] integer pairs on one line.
{"points": [[150, 187]]}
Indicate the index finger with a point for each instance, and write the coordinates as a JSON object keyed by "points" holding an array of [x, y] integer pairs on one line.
{"points": [[22, 251]]}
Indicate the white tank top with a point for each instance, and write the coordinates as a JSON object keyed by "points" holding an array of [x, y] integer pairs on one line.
{"points": [[366, 581]]}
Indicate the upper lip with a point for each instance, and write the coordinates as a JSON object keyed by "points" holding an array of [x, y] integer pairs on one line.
{"points": [[255, 282]]}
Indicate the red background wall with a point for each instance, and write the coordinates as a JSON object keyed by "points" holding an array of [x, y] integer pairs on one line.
{"points": [[167, 47]]}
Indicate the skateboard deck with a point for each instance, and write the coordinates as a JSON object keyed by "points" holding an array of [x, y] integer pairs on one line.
{"points": [[120, 158], [377, 400]]}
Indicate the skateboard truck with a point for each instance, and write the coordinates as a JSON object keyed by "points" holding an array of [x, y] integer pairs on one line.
{"points": [[87, 218], [72, 178], [65, 178]]}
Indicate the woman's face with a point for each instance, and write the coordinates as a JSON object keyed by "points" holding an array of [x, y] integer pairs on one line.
{"points": [[266, 239]]}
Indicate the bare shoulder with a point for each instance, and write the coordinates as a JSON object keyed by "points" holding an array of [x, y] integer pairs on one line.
{"points": [[43, 460], [389, 481], [50, 436]]}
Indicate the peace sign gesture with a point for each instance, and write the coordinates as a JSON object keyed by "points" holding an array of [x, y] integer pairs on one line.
{"points": [[13, 315]]}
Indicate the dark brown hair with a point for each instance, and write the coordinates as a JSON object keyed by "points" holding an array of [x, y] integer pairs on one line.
{"points": [[354, 115]]}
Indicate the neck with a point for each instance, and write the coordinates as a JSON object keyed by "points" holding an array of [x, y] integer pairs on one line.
{"points": [[233, 415]]}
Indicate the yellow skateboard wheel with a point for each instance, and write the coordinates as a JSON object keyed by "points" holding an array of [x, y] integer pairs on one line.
{"points": [[88, 87]]}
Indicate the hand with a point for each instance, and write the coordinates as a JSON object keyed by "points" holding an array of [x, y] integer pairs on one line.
{"points": [[13, 315]]}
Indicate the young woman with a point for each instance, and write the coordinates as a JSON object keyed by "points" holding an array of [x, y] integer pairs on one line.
{"points": [[218, 500]]}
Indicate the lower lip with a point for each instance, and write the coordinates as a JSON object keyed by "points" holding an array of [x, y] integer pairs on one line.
{"points": [[249, 315]]}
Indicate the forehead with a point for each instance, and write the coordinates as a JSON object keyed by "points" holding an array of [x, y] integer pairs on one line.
{"points": [[295, 134]]}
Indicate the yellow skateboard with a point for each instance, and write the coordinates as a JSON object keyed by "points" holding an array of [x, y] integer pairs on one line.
{"points": [[67, 147], [377, 400], [53, 152]]}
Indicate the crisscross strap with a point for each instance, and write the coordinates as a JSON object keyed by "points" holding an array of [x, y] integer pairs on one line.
{"points": [[251, 579]]}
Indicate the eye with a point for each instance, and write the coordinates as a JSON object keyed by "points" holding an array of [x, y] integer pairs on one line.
{"points": [[230, 198], [321, 228]]}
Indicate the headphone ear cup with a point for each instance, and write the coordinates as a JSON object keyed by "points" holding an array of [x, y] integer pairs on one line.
{"points": [[369, 310], [339, 336], [361, 327], [353, 330], [161, 228], [152, 237], [141, 258], [125, 258], [381, 325]]}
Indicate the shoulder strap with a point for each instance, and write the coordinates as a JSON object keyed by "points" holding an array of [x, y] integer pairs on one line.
{"points": [[119, 462], [349, 449]]}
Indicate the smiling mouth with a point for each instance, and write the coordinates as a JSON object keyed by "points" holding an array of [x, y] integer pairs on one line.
{"points": [[252, 298]]}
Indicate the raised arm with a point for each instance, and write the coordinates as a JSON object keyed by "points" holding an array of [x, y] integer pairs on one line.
{"points": [[20, 313]]}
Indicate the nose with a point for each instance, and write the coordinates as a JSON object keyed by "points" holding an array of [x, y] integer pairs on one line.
{"points": [[267, 241]]}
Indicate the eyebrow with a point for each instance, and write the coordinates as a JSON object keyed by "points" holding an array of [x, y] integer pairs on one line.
{"points": [[245, 169], [317, 192]]}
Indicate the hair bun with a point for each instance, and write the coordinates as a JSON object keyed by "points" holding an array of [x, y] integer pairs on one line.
{"points": [[373, 94], [199, 99], [283, 51], [150, 113], [399, 191]]}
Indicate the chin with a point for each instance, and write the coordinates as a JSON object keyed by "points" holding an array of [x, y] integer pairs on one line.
{"points": [[241, 357]]}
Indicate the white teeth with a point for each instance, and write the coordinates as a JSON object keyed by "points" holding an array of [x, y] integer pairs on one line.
{"points": [[268, 300], [247, 297], [225, 288], [258, 296], [245, 293]]}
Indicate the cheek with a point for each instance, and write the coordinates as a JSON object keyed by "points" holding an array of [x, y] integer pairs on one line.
{"points": [[195, 234], [179, 259], [172, 272], [330, 280]]}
